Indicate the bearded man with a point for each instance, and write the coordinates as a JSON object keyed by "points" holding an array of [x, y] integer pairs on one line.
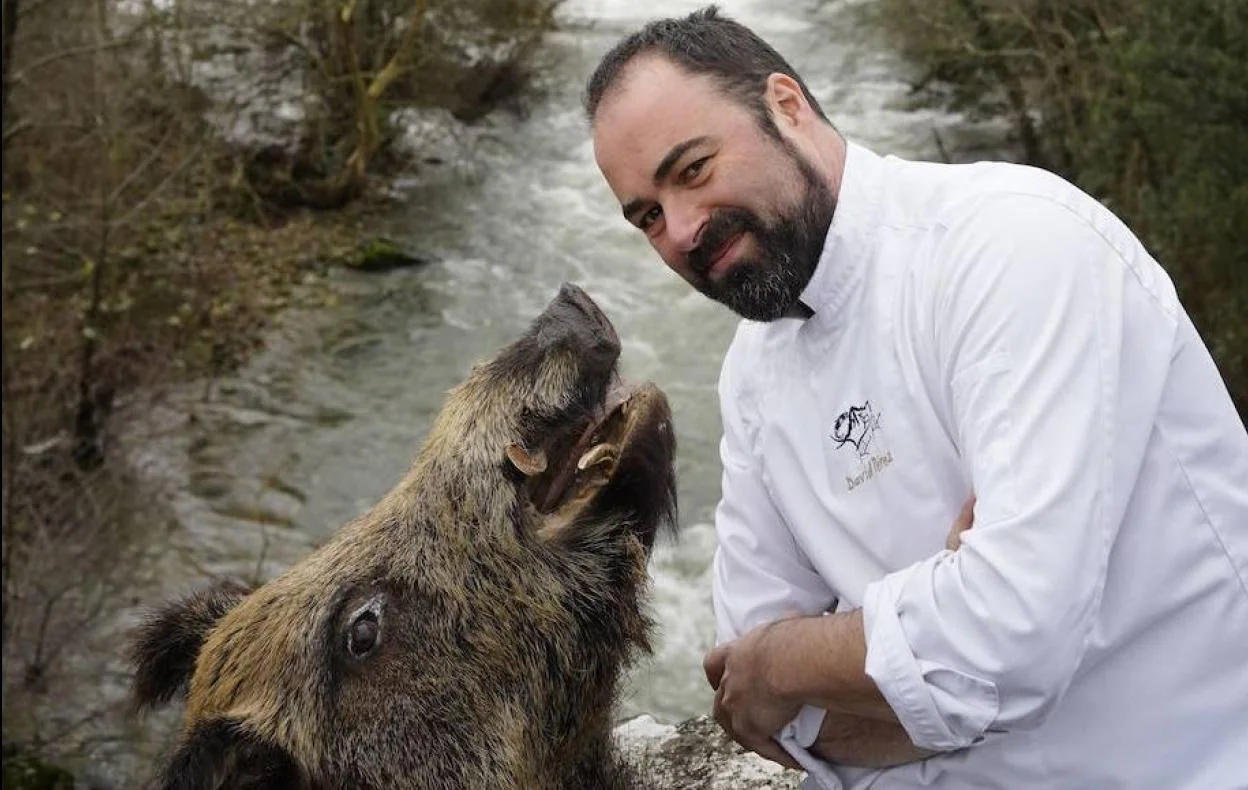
{"points": [[916, 333]]}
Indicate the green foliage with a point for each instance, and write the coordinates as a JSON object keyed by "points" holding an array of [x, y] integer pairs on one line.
{"points": [[1143, 103]]}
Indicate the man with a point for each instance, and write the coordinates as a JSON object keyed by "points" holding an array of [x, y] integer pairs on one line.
{"points": [[915, 333]]}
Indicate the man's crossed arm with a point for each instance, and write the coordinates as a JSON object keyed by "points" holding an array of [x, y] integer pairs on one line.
{"points": [[763, 679]]}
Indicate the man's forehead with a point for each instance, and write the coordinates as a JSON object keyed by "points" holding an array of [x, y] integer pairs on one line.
{"points": [[655, 106], [650, 79]]}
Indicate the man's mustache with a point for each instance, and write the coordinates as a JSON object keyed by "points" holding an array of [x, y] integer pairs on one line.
{"points": [[722, 226]]}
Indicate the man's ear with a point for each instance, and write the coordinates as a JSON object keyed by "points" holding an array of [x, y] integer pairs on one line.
{"points": [[222, 754], [164, 648], [785, 99]]}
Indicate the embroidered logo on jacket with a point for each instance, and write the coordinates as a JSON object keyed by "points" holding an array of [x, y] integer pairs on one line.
{"points": [[859, 427]]}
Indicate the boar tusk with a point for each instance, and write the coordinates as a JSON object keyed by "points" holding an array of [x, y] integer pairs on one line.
{"points": [[596, 455]]}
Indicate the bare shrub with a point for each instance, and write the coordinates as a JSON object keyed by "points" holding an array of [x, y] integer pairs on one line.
{"points": [[344, 67]]}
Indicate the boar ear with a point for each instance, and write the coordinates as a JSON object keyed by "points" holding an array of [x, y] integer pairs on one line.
{"points": [[165, 646], [221, 754]]}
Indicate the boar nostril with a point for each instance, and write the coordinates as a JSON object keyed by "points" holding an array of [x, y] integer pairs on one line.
{"points": [[364, 634]]}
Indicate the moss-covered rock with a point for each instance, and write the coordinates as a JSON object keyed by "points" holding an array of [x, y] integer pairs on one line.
{"points": [[380, 255]]}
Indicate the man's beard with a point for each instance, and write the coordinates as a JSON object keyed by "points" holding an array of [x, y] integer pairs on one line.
{"points": [[766, 283]]}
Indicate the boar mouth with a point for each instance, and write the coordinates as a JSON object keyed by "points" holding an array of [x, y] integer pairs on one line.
{"points": [[587, 458]]}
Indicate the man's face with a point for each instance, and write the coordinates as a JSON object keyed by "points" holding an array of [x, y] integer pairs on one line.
{"points": [[736, 212]]}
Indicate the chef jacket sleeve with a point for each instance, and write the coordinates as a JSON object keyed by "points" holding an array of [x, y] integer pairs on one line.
{"points": [[1052, 400]]}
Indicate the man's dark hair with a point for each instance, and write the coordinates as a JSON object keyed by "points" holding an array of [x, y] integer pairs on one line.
{"points": [[702, 43]]}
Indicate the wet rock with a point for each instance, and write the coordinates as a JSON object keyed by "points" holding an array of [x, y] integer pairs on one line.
{"points": [[488, 84], [696, 754]]}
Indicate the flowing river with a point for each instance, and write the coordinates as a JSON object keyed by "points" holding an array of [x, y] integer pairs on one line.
{"points": [[265, 465]]}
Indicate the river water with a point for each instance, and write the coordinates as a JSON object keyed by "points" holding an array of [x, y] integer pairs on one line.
{"points": [[326, 419]]}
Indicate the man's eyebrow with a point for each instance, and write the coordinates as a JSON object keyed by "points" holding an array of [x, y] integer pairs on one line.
{"points": [[661, 172], [674, 155]]}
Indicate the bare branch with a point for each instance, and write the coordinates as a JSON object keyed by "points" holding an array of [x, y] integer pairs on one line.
{"points": [[142, 167], [170, 176], [11, 132], [398, 62], [72, 52]]}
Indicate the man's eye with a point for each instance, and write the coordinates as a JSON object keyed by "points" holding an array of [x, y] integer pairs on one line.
{"points": [[649, 218], [693, 170]]}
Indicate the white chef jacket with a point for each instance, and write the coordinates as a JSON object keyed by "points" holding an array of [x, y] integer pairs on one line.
{"points": [[990, 328]]}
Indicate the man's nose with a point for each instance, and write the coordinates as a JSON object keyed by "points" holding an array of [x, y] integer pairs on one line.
{"points": [[685, 224]]}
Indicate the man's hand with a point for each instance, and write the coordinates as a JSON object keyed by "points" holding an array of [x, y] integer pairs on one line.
{"points": [[747, 705], [964, 521]]}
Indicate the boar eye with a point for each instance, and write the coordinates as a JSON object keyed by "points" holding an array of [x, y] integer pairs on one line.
{"points": [[364, 629], [364, 635]]}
